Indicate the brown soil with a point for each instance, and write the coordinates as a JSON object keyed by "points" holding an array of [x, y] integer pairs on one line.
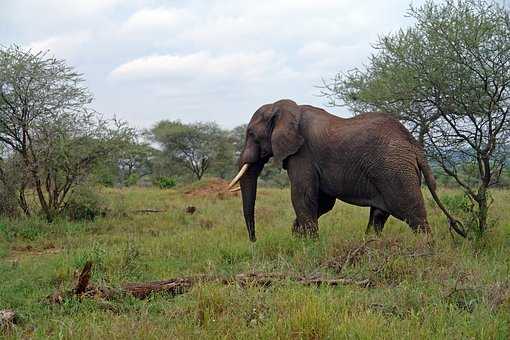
{"points": [[212, 188]]}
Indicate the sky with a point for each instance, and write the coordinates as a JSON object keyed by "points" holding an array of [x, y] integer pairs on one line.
{"points": [[208, 60]]}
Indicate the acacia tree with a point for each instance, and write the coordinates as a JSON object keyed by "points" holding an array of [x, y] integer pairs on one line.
{"points": [[134, 160], [46, 126], [194, 146], [447, 78]]}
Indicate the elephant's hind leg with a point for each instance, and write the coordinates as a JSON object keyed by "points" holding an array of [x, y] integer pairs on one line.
{"points": [[402, 195], [370, 221], [326, 203], [377, 220], [413, 213], [380, 218], [419, 223]]}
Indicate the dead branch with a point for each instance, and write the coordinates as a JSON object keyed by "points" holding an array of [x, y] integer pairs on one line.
{"points": [[83, 279], [148, 211], [430, 253], [181, 285], [350, 257], [7, 319], [172, 287]]}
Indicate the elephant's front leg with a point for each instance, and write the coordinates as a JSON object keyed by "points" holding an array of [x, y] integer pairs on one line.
{"points": [[304, 188]]}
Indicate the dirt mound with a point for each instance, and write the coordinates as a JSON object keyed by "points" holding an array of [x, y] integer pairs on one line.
{"points": [[211, 187]]}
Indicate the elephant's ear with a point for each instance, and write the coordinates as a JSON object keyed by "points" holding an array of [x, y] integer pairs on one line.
{"points": [[285, 138]]}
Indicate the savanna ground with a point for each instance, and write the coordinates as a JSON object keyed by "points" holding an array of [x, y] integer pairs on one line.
{"points": [[452, 289]]}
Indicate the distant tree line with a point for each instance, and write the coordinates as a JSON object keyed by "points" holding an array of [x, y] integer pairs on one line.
{"points": [[190, 151]]}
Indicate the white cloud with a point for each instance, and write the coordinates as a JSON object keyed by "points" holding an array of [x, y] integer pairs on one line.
{"points": [[149, 20], [317, 49], [201, 60], [285, 22], [75, 7], [247, 66], [64, 46]]}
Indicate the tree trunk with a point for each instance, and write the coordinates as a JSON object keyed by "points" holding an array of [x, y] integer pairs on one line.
{"points": [[483, 209], [42, 200], [23, 201]]}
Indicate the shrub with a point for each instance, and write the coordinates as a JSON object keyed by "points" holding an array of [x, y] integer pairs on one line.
{"points": [[85, 204], [10, 184], [106, 179], [457, 203], [8, 201], [166, 182], [132, 180], [28, 229], [461, 206]]}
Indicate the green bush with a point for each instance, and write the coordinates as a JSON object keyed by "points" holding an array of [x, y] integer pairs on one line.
{"points": [[9, 203], [166, 182], [85, 204], [28, 229], [106, 180], [463, 208], [457, 203], [132, 180]]}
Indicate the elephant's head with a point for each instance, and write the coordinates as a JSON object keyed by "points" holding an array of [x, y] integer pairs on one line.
{"points": [[273, 131]]}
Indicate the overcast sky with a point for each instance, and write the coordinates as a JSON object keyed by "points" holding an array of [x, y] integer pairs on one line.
{"points": [[147, 60]]}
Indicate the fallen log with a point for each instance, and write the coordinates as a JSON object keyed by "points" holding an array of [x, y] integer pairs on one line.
{"points": [[181, 285]]}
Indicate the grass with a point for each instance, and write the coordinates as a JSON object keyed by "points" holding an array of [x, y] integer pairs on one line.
{"points": [[452, 289]]}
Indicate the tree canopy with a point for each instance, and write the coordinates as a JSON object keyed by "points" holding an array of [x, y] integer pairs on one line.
{"points": [[48, 129], [194, 146]]}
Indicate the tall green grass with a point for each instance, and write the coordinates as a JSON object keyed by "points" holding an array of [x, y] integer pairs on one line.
{"points": [[451, 289]]}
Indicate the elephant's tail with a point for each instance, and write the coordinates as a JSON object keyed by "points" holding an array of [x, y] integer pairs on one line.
{"points": [[431, 184]]}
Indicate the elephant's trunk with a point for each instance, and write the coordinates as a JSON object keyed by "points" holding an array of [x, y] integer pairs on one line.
{"points": [[249, 193]]}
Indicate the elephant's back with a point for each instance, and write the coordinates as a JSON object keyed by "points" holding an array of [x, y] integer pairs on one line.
{"points": [[370, 150], [379, 129]]}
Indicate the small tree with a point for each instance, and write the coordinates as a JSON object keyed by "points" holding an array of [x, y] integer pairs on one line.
{"points": [[194, 146], [238, 136], [134, 160], [46, 125], [448, 78]]}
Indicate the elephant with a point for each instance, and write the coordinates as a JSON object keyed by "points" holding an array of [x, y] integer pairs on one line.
{"points": [[369, 160]]}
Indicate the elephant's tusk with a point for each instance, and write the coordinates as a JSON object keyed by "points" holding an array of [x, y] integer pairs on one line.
{"points": [[239, 175], [235, 189]]}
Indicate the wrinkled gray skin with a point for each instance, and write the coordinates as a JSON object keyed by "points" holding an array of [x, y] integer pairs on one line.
{"points": [[370, 160]]}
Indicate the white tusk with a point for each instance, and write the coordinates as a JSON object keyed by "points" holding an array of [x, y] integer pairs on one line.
{"points": [[239, 175], [235, 189]]}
